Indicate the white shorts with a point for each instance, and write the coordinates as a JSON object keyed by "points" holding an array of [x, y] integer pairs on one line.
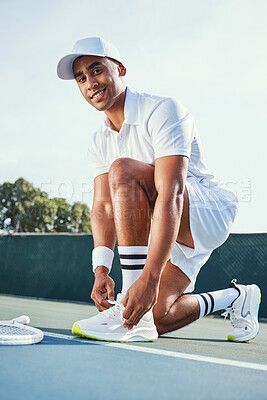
{"points": [[212, 212]]}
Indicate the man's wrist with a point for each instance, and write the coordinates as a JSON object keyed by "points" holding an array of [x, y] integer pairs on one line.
{"points": [[151, 276], [101, 270], [102, 256]]}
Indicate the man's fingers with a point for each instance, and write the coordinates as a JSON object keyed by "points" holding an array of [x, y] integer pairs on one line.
{"points": [[103, 288], [132, 314], [100, 300], [138, 317], [125, 301], [110, 290], [132, 317], [105, 304], [100, 308], [128, 312]]}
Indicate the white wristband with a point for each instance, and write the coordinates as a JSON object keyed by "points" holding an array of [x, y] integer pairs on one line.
{"points": [[102, 255]]}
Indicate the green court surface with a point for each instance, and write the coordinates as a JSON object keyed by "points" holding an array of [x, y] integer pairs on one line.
{"points": [[196, 362]]}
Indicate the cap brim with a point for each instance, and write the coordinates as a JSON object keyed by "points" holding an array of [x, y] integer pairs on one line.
{"points": [[64, 67]]}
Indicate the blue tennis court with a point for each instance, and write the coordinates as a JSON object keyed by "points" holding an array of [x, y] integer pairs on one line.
{"points": [[194, 362]]}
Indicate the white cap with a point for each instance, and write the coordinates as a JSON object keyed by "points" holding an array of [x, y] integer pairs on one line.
{"points": [[92, 46]]}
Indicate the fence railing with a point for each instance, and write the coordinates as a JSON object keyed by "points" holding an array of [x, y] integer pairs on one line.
{"points": [[58, 266]]}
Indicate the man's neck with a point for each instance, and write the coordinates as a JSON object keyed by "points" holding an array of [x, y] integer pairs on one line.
{"points": [[116, 113]]}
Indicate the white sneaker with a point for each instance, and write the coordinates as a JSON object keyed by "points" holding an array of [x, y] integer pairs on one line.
{"points": [[244, 313], [108, 325]]}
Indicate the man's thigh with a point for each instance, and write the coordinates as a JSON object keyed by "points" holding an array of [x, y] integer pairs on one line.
{"points": [[127, 169]]}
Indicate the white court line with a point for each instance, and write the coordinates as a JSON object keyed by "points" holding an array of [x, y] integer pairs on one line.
{"points": [[167, 353]]}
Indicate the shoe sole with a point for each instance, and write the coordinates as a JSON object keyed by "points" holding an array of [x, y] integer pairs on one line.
{"points": [[76, 330], [248, 338]]}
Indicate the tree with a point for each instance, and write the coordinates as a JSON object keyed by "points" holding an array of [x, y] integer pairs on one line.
{"points": [[42, 215], [26, 209], [16, 201], [63, 217], [81, 217]]}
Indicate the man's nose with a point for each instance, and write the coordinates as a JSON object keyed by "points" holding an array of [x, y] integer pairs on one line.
{"points": [[91, 83]]}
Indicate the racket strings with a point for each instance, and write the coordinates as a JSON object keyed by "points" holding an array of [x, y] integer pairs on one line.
{"points": [[13, 330]]}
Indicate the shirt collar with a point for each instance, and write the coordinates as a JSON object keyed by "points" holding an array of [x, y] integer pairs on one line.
{"points": [[130, 109]]}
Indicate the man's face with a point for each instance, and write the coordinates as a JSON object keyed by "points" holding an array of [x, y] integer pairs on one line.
{"points": [[99, 80]]}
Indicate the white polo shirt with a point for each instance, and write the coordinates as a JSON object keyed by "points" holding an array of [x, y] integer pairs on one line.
{"points": [[156, 127], [153, 127]]}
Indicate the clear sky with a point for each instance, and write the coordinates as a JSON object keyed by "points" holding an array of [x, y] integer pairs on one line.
{"points": [[208, 54]]}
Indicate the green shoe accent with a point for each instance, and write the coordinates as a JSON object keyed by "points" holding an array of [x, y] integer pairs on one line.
{"points": [[76, 330], [232, 339]]}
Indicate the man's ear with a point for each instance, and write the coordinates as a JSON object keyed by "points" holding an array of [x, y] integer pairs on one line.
{"points": [[122, 69]]}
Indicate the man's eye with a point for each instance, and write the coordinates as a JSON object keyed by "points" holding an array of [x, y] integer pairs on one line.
{"points": [[82, 79], [97, 71]]}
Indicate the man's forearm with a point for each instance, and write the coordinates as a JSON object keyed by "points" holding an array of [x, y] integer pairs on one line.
{"points": [[164, 232], [103, 227]]}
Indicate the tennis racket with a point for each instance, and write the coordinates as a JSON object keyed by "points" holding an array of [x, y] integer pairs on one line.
{"points": [[16, 331]]}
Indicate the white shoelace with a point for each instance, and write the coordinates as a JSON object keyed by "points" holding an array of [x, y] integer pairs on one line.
{"points": [[230, 311], [113, 311]]}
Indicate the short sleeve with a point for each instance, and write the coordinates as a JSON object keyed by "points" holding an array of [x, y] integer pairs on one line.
{"points": [[95, 157], [171, 128]]}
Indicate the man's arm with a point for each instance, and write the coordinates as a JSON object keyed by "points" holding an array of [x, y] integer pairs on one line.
{"points": [[102, 220], [170, 178], [103, 230]]}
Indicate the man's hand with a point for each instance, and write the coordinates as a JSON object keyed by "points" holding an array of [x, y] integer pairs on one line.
{"points": [[139, 299], [103, 287]]}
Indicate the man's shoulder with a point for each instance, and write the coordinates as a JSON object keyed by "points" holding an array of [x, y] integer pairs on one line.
{"points": [[159, 106], [148, 104], [149, 98]]}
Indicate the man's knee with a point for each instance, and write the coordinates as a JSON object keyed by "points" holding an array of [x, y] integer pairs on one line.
{"points": [[159, 314], [121, 172], [132, 177]]}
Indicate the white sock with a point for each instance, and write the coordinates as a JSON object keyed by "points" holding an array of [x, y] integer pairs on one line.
{"points": [[133, 259], [215, 301]]}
